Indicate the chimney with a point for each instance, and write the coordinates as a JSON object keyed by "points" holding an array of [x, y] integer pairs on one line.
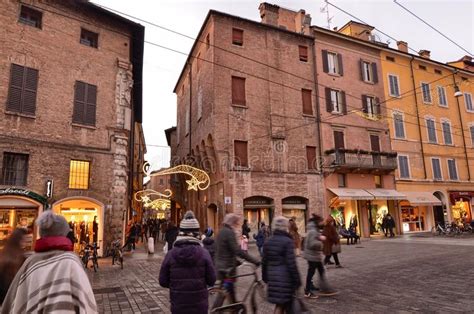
{"points": [[424, 53], [269, 13], [302, 22], [466, 59], [402, 46]]}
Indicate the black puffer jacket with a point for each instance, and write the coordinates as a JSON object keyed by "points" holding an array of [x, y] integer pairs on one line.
{"points": [[279, 268]]}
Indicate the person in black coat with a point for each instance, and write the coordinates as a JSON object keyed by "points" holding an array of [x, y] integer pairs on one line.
{"points": [[171, 234], [279, 268]]}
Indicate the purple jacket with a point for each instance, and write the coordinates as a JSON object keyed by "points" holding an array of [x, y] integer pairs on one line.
{"points": [[187, 271]]}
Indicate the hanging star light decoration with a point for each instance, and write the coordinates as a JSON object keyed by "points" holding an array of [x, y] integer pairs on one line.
{"points": [[199, 178], [160, 202]]}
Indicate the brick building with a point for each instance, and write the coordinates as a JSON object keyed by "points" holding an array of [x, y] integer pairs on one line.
{"points": [[70, 131]]}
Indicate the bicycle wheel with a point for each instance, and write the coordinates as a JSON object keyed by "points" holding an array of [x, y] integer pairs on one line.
{"points": [[95, 264]]}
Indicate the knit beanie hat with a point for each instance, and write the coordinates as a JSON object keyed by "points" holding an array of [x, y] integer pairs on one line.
{"points": [[189, 224], [280, 223], [50, 225]]}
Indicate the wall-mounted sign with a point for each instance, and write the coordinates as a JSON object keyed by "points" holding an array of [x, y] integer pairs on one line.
{"points": [[25, 193], [49, 188], [227, 200]]}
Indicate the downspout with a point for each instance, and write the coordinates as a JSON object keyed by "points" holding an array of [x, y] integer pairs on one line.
{"points": [[418, 117], [462, 131], [318, 110], [190, 105]]}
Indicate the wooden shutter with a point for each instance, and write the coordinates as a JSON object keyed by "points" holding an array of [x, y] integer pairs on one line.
{"points": [[303, 51], [15, 89], [338, 140], [29, 91], [339, 63], [238, 91], [311, 157], [374, 143], [377, 107], [307, 103], [79, 102], [91, 99], [240, 154], [237, 36], [365, 109], [329, 107], [343, 102], [325, 61], [375, 77], [361, 68]]}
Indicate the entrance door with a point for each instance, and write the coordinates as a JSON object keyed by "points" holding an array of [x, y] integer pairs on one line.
{"points": [[375, 146], [255, 217], [438, 214]]}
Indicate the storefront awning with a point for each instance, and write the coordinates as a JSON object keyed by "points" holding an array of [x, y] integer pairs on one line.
{"points": [[352, 194], [422, 198], [386, 194]]}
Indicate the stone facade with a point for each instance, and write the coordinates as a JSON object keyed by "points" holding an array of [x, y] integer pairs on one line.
{"points": [[50, 138]]}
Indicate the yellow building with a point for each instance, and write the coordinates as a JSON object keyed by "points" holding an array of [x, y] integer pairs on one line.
{"points": [[430, 109]]}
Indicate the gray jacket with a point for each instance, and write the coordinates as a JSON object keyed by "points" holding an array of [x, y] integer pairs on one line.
{"points": [[312, 244], [227, 251]]}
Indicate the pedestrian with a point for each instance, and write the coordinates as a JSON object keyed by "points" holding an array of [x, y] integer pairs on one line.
{"points": [[244, 243], [209, 243], [188, 270], [11, 258], [53, 279], [171, 234], [246, 229], [279, 270], [130, 242], [389, 225], [163, 227], [293, 230], [227, 251], [261, 237], [384, 225], [313, 254], [332, 245]]}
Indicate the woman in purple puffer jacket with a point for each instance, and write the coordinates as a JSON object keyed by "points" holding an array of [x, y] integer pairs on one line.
{"points": [[188, 270]]}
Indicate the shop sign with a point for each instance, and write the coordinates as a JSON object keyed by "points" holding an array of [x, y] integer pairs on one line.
{"points": [[23, 192], [257, 201], [460, 194], [294, 200]]}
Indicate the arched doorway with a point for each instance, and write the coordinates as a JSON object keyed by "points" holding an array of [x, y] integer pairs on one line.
{"points": [[212, 216], [85, 217], [440, 213], [258, 209], [294, 207]]}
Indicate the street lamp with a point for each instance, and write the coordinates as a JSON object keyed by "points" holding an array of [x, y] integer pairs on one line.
{"points": [[457, 92]]}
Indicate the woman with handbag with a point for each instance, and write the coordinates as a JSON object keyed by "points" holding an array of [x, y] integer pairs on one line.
{"points": [[332, 245]]}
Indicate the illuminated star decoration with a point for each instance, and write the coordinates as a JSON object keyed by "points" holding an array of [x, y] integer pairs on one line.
{"points": [[199, 178], [161, 201]]}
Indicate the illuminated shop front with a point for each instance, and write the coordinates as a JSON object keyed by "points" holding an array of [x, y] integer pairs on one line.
{"points": [[19, 208], [85, 218], [294, 207], [462, 206], [418, 211], [258, 209]]}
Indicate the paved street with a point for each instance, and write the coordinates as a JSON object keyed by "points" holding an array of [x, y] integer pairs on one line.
{"points": [[406, 274]]}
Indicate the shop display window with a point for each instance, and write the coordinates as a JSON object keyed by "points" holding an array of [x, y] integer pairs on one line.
{"points": [[298, 215]]}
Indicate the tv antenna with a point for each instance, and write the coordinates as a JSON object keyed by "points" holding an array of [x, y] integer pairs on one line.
{"points": [[325, 9]]}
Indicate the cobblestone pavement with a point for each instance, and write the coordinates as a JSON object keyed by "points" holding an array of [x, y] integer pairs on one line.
{"points": [[400, 275]]}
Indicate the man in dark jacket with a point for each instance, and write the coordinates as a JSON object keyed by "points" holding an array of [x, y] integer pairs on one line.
{"points": [[227, 251], [261, 237], [188, 270], [389, 225], [279, 268], [171, 234]]}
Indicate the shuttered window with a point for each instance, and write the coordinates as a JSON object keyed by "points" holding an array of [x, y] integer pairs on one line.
{"points": [[370, 106], [307, 103], [85, 98], [89, 38], [453, 171], [472, 135], [339, 139], [303, 52], [30, 17], [448, 138], [436, 165], [468, 101], [442, 96], [426, 90], [368, 71], [238, 91], [311, 157], [335, 101], [430, 126], [15, 169], [399, 125], [332, 63], [237, 37], [22, 90], [403, 167], [240, 154], [393, 85]]}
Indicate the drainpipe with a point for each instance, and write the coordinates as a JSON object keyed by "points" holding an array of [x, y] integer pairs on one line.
{"points": [[418, 117], [190, 105], [462, 132]]}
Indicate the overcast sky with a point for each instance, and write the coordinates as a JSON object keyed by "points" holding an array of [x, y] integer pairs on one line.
{"points": [[454, 18]]}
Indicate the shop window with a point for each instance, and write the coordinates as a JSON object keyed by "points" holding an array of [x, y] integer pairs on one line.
{"points": [[30, 17], [79, 172], [15, 169], [341, 180], [89, 38], [22, 90], [378, 182]]}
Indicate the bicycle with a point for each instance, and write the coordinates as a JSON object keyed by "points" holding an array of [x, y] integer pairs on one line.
{"points": [[438, 230], [239, 306], [89, 253], [117, 253]]}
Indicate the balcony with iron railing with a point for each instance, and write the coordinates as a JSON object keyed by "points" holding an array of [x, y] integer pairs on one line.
{"points": [[360, 161]]}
